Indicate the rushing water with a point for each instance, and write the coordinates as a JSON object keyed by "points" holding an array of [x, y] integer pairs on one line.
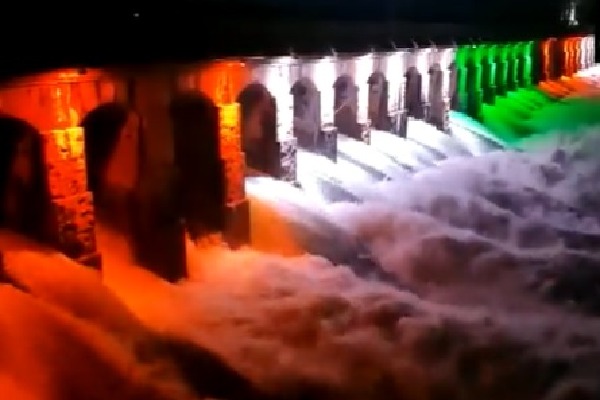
{"points": [[477, 278]]}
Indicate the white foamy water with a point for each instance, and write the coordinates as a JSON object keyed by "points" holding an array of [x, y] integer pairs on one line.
{"points": [[475, 279]]}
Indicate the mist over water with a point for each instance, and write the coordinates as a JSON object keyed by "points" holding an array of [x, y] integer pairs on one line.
{"points": [[478, 278]]}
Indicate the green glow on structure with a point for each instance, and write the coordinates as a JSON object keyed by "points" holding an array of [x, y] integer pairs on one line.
{"points": [[514, 117], [491, 55], [527, 60], [502, 64], [461, 70]]}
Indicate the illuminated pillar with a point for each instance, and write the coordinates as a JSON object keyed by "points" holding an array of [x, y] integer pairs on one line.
{"points": [[519, 56], [547, 60], [439, 93], [577, 54], [324, 77], [237, 210], [584, 55], [424, 68], [567, 56], [363, 69], [527, 49], [589, 51], [502, 66], [461, 78], [561, 58], [278, 80], [474, 83], [488, 62], [395, 69], [413, 84], [72, 211], [513, 67]]}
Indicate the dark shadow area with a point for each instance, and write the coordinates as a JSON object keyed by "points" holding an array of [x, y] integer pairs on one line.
{"points": [[259, 128], [307, 113], [345, 107], [113, 155], [412, 93], [24, 193], [378, 102], [200, 171]]}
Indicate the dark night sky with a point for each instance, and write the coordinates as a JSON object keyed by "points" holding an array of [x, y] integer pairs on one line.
{"points": [[454, 11], [105, 29]]}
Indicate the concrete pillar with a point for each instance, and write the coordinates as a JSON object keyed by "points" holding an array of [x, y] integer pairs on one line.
{"points": [[413, 85], [278, 81], [558, 58], [502, 67], [462, 58], [446, 62], [567, 56], [512, 83], [159, 234], [363, 68], [236, 231], [424, 65], [346, 98], [547, 61], [310, 132], [489, 71], [588, 51], [71, 209], [576, 61], [584, 61], [324, 76], [394, 72], [474, 87], [528, 67]]}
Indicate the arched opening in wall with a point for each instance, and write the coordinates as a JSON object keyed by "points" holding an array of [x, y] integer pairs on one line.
{"points": [[24, 192], [436, 102], [113, 157], [345, 106], [200, 188], [259, 128], [412, 93], [378, 101], [307, 113]]}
